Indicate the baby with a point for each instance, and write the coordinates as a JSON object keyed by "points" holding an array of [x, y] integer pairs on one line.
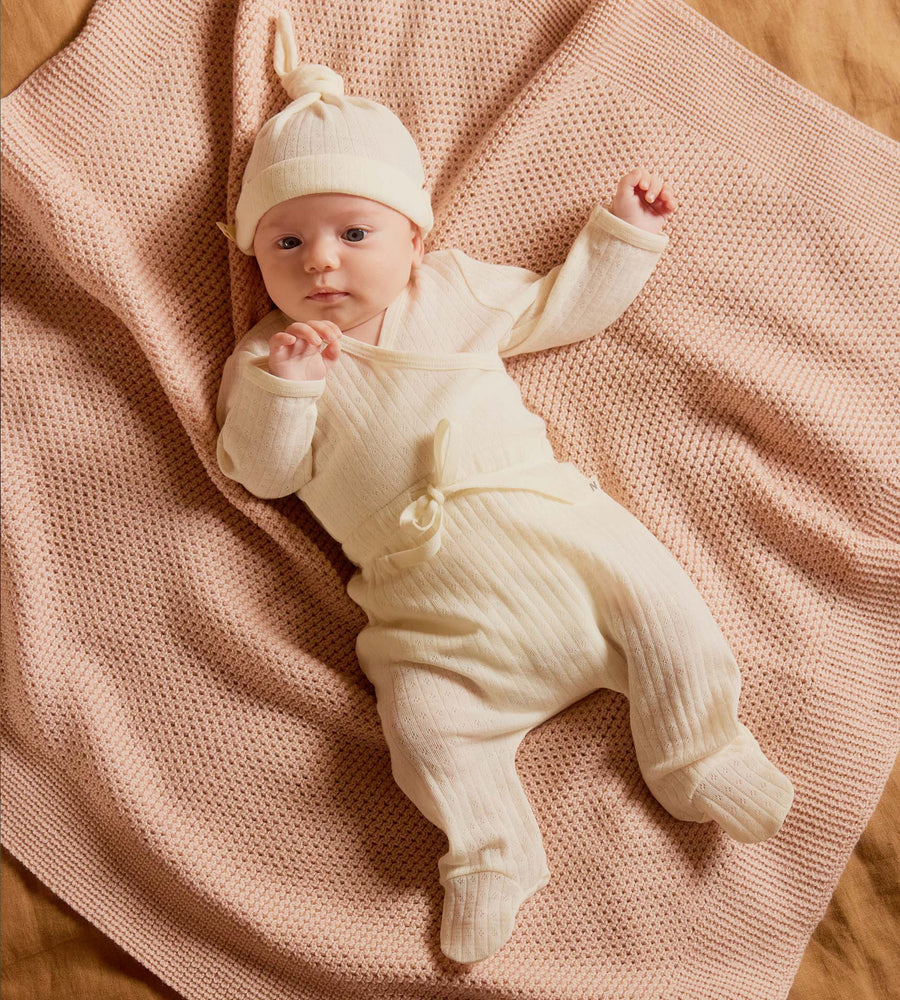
{"points": [[500, 585]]}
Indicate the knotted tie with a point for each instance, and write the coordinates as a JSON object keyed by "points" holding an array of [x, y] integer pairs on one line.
{"points": [[426, 512]]}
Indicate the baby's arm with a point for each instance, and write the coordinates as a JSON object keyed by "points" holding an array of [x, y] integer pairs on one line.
{"points": [[606, 267], [266, 421]]}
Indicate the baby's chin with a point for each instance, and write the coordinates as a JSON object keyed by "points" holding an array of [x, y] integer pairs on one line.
{"points": [[346, 313], [304, 310]]}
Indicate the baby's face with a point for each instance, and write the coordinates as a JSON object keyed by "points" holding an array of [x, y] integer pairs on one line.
{"points": [[359, 247]]}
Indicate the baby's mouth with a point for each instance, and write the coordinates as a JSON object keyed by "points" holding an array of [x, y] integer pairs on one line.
{"points": [[327, 296]]}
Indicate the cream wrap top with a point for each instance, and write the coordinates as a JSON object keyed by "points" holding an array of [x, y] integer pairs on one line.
{"points": [[394, 431]]}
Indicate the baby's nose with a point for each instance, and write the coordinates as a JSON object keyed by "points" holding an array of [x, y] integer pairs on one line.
{"points": [[321, 254]]}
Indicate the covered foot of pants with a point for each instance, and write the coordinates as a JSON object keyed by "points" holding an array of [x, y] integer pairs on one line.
{"points": [[736, 785], [683, 685], [454, 756], [475, 648]]}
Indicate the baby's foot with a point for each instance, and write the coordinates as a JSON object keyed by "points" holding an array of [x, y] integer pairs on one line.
{"points": [[479, 915], [741, 790]]}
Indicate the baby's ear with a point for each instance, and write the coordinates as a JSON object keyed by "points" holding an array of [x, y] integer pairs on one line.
{"points": [[228, 231], [418, 243]]}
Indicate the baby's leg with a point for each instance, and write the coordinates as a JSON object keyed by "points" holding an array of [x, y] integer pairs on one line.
{"points": [[683, 684], [454, 756]]}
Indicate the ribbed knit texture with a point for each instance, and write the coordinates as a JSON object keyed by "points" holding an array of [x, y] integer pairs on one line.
{"points": [[325, 141], [497, 612], [193, 758]]}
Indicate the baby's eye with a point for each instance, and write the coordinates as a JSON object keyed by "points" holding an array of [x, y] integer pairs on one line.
{"points": [[280, 242], [355, 234]]}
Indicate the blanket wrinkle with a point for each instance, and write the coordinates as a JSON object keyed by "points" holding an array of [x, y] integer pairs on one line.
{"points": [[191, 756]]}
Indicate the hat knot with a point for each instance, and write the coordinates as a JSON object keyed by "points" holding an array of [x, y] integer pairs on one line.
{"points": [[299, 78], [310, 78]]}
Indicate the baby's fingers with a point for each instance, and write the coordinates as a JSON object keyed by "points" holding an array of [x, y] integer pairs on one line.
{"points": [[319, 333], [628, 182], [330, 334], [662, 202], [285, 346], [281, 341], [654, 186]]}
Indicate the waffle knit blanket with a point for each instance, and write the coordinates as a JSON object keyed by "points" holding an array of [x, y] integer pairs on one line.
{"points": [[192, 757]]}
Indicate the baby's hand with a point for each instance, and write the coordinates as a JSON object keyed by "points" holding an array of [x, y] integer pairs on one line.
{"points": [[297, 353], [643, 199]]}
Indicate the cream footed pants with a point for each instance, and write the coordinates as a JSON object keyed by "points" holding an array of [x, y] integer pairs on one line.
{"points": [[509, 606]]}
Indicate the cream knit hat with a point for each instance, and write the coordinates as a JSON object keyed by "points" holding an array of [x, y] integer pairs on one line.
{"points": [[325, 141]]}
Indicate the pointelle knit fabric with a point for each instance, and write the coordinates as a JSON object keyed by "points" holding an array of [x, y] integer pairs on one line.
{"points": [[489, 616], [192, 757]]}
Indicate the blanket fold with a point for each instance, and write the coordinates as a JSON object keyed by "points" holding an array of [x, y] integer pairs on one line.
{"points": [[192, 757]]}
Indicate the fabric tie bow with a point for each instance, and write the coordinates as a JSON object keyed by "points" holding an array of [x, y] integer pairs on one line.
{"points": [[426, 512]]}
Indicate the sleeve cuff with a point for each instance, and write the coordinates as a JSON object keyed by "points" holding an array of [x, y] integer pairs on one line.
{"points": [[604, 219], [256, 369]]}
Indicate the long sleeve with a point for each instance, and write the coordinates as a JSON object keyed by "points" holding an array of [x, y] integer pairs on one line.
{"points": [[605, 269], [266, 424]]}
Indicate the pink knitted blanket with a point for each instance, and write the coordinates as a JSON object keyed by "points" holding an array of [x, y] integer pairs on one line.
{"points": [[192, 756]]}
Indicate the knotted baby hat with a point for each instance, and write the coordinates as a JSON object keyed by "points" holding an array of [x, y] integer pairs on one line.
{"points": [[326, 141]]}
